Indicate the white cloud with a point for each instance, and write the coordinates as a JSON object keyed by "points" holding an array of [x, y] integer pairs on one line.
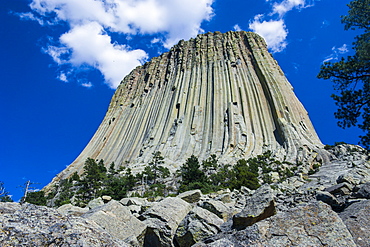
{"points": [[63, 77], [87, 84], [336, 53], [343, 49], [273, 31], [92, 21], [237, 27], [287, 5], [89, 45]]}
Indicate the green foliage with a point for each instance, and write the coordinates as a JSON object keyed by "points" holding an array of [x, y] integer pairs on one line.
{"points": [[155, 190], [37, 198], [221, 179], [154, 170], [315, 168], [210, 164], [245, 174], [75, 177], [192, 176], [65, 192], [112, 169], [94, 182], [351, 75], [93, 179], [191, 172], [4, 195]]}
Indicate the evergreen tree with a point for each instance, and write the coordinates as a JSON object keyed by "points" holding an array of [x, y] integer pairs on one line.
{"points": [[154, 169], [192, 176], [244, 174], [351, 75], [4, 195], [93, 178], [36, 197]]}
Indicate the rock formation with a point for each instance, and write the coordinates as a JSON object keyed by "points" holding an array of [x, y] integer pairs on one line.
{"points": [[220, 94], [288, 213]]}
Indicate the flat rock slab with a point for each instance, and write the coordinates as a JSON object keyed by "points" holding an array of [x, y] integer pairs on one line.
{"points": [[357, 219], [312, 224], [118, 221], [69, 209], [31, 225], [191, 196]]}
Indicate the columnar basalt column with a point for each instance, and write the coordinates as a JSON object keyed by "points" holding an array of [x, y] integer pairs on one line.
{"points": [[220, 94]]}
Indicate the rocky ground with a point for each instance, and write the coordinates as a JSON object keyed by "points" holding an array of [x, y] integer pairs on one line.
{"points": [[328, 208]]}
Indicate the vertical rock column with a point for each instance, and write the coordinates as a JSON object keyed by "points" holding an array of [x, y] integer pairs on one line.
{"points": [[219, 94]]}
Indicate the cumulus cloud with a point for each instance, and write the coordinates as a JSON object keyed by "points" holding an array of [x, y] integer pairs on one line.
{"points": [[273, 31], [272, 28], [92, 22], [287, 5], [236, 27]]}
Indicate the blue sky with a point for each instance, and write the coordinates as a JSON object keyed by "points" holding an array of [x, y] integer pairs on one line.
{"points": [[62, 59]]}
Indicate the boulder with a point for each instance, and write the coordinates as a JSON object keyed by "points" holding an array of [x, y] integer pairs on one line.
{"points": [[340, 189], [198, 224], [69, 209], [218, 208], [329, 199], [357, 219], [259, 206], [311, 224], [118, 221], [191, 196], [162, 220], [355, 176], [225, 198], [95, 203], [106, 198], [133, 201], [31, 225], [364, 191]]}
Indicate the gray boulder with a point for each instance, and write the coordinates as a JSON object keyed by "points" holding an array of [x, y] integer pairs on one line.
{"points": [[312, 224], [97, 202], [133, 201], [69, 209], [357, 219], [355, 176], [198, 224], [191, 196], [218, 208], [162, 220], [259, 206], [118, 221], [31, 225], [340, 189], [364, 191], [329, 199]]}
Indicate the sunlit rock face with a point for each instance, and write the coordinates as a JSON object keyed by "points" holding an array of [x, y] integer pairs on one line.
{"points": [[220, 94]]}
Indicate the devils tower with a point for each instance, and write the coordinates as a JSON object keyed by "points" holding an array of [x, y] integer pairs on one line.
{"points": [[221, 94]]}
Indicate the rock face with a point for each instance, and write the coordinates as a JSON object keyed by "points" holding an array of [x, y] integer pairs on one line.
{"points": [[313, 224], [220, 94], [30, 225], [357, 219], [321, 210]]}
